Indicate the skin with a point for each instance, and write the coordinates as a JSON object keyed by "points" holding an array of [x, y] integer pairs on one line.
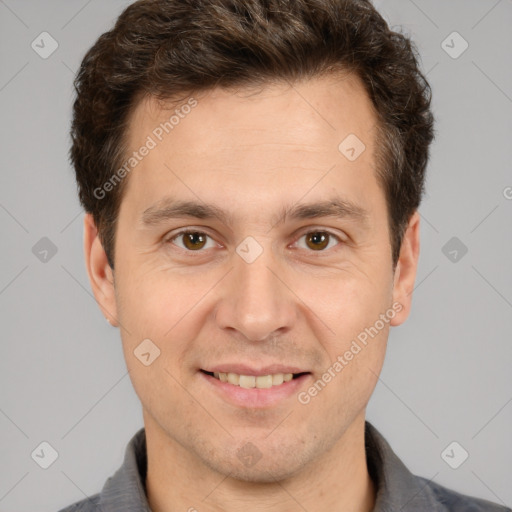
{"points": [[252, 153]]}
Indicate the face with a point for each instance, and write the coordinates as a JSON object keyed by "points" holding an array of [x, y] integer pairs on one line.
{"points": [[249, 243]]}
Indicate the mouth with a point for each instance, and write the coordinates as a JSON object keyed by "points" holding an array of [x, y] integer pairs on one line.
{"points": [[255, 381]]}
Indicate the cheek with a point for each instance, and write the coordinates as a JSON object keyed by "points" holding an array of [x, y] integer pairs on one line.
{"points": [[354, 334], [150, 302], [154, 344], [348, 380], [164, 310], [347, 303]]}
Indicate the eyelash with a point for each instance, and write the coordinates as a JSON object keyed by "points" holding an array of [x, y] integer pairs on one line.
{"points": [[187, 231]]}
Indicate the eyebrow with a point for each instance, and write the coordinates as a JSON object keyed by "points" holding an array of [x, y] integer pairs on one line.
{"points": [[169, 208]]}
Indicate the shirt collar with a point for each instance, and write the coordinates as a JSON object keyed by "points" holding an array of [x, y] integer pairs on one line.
{"points": [[126, 489], [397, 488]]}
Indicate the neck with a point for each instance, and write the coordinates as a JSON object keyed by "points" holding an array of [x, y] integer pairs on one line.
{"points": [[338, 480]]}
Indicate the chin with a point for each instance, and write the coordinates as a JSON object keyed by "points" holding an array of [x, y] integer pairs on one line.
{"points": [[260, 473]]}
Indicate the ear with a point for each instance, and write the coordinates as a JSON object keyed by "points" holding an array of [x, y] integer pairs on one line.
{"points": [[405, 272], [100, 274]]}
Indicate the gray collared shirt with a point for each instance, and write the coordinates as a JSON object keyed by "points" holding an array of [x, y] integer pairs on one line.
{"points": [[397, 488]]}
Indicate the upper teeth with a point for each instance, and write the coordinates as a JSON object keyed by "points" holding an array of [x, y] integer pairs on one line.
{"points": [[251, 381]]}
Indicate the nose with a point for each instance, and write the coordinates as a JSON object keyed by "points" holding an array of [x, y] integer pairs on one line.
{"points": [[255, 303]]}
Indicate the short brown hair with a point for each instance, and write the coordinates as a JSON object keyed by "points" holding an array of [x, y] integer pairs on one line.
{"points": [[169, 48]]}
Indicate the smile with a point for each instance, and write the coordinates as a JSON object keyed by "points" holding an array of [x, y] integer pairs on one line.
{"points": [[253, 381]]}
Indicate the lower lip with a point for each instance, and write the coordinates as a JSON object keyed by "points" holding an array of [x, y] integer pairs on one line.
{"points": [[255, 398]]}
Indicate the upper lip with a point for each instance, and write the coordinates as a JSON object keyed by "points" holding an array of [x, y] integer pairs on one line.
{"points": [[242, 369]]}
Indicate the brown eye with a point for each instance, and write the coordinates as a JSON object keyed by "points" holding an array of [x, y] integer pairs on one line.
{"points": [[191, 240], [194, 241], [318, 240]]}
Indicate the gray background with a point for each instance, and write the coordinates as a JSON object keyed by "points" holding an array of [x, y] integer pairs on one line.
{"points": [[447, 374]]}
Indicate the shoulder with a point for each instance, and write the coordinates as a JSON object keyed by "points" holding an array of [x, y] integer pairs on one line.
{"points": [[125, 490], [452, 501], [91, 504], [399, 489]]}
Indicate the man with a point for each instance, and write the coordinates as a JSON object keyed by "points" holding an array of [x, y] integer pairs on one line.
{"points": [[251, 172]]}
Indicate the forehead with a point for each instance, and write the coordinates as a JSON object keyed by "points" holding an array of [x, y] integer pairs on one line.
{"points": [[309, 113], [279, 138]]}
